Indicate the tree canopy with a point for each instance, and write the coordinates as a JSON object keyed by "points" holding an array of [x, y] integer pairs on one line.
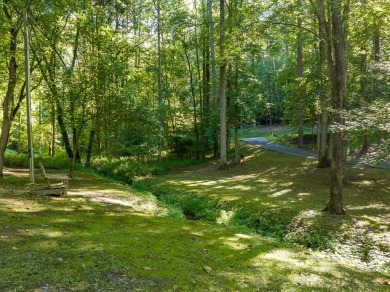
{"points": [[144, 78]]}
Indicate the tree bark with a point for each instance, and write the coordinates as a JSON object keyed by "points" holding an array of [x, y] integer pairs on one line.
{"points": [[236, 112], [53, 131], [12, 79], [213, 78], [323, 161], [196, 130], [222, 87], [323, 144], [206, 95], [90, 147], [300, 75], [7, 103], [229, 98], [160, 98], [334, 38], [9, 96]]}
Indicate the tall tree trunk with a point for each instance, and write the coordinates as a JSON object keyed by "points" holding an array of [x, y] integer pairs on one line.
{"points": [[200, 129], [7, 103], [363, 93], [236, 111], [76, 152], [61, 123], [229, 118], [76, 156], [12, 78], [323, 161], [300, 75], [222, 87], [206, 95], [334, 37], [213, 77], [90, 147], [324, 158], [53, 131], [377, 52], [160, 98], [193, 94]]}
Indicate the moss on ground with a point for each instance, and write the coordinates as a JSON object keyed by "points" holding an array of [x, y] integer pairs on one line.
{"points": [[106, 236], [281, 196]]}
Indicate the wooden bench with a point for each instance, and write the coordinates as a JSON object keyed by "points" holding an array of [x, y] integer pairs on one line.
{"points": [[62, 177]]}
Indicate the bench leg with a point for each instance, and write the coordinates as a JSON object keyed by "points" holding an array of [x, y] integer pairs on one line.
{"points": [[65, 182], [48, 183]]}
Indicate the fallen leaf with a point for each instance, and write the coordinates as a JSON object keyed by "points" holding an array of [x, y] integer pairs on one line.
{"points": [[207, 269], [146, 268]]}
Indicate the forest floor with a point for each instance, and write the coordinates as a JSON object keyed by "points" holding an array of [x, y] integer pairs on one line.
{"points": [[107, 236]]}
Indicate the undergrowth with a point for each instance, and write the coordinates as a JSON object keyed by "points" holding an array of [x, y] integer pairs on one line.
{"points": [[18, 160], [124, 169], [280, 224], [181, 204]]}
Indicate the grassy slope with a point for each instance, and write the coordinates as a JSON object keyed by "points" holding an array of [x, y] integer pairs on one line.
{"points": [[107, 236], [271, 180], [276, 180]]}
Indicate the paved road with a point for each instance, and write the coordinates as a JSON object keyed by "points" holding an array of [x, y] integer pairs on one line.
{"points": [[263, 142]]}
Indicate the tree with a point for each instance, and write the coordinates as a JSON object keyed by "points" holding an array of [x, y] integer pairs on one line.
{"points": [[222, 87], [332, 31], [300, 75], [213, 75], [12, 76]]}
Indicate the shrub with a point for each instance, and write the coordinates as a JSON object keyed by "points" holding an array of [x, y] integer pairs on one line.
{"points": [[13, 159], [191, 206], [312, 229], [272, 223], [59, 161], [197, 208], [124, 169], [182, 146]]}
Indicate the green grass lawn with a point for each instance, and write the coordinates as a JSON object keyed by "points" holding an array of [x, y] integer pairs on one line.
{"points": [[106, 236], [276, 180], [295, 190]]}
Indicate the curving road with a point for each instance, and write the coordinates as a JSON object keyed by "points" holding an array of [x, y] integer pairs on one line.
{"points": [[263, 142]]}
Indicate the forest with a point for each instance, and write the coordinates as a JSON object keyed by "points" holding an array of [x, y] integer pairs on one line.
{"points": [[125, 89]]}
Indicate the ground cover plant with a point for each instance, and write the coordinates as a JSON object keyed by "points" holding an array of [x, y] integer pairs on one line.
{"points": [[106, 236], [282, 197]]}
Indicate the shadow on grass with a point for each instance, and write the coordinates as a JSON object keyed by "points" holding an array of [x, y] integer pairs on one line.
{"points": [[72, 244], [273, 180]]}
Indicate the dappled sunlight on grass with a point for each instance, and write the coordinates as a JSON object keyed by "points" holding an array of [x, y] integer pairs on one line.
{"points": [[88, 192], [76, 243], [54, 234], [280, 193], [269, 178], [239, 241], [18, 205], [371, 206], [286, 257]]}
